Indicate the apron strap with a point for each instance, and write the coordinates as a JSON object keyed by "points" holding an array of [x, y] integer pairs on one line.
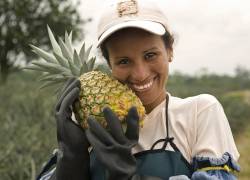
{"points": [[167, 139]]}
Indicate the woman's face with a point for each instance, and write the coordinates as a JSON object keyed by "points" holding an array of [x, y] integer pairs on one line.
{"points": [[140, 60]]}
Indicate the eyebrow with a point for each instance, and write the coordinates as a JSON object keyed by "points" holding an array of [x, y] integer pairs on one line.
{"points": [[153, 48], [125, 57]]}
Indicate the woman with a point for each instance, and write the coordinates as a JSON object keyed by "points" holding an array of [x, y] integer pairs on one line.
{"points": [[180, 139]]}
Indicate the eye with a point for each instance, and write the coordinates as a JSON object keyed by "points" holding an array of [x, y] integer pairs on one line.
{"points": [[123, 61], [150, 56]]}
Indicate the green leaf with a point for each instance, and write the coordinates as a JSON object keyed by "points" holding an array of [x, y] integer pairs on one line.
{"points": [[76, 59], [34, 68], [75, 71], [50, 84], [68, 42], [84, 69], [66, 53], [56, 47], [55, 78], [51, 68], [46, 56], [61, 60], [91, 63], [82, 52], [70, 36], [86, 55]]}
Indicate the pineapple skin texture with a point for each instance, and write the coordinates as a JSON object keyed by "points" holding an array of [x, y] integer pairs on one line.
{"points": [[99, 90]]}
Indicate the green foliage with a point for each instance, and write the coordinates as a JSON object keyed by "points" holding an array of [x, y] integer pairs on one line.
{"points": [[24, 22], [27, 131], [27, 128], [236, 106]]}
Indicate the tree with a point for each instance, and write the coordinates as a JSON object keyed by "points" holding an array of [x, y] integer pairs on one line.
{"points": [[23, 22]]}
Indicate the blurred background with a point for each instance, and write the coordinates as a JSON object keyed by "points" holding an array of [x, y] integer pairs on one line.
{"points": [[211, 56]]}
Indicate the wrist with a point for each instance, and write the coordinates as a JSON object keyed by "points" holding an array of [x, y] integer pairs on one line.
{"points": [[71, 156]]}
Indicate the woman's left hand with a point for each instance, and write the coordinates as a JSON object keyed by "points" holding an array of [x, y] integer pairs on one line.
{"points": [[113, 147]]}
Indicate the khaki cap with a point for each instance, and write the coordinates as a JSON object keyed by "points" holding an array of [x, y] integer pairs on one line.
{"points": [[122, 14]]}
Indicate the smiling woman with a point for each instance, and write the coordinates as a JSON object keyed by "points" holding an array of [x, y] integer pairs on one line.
{"points": [[139, 59], [180, 139]]}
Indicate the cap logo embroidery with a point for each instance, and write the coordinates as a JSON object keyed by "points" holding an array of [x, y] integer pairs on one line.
{"points": [[127, 7]]}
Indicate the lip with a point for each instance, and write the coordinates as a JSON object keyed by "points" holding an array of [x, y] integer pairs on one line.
{"points": [[142, 86]]}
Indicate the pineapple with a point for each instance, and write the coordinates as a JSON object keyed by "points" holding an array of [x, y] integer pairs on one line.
{"points": [[98, 89]]}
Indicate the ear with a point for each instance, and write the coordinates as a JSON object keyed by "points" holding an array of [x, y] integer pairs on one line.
{"points": [[170, 55]]}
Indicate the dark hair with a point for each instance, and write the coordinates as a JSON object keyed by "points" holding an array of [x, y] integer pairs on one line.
{"points": [[167, 38]]}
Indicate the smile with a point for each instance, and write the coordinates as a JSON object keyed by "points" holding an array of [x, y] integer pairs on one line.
{"points": [[143, 87]]}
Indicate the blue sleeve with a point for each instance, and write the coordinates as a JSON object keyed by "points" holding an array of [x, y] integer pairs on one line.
{"points": [[213, 175], [208, 168], [49, 168]]}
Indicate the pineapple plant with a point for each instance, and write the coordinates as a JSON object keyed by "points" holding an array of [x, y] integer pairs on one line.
{"points": [[98, 89]]}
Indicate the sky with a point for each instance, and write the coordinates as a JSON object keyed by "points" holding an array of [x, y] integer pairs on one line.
{"points": [[209, 34]]}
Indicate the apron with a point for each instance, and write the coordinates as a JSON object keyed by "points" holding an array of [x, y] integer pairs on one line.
{"points": [[154, 162]]}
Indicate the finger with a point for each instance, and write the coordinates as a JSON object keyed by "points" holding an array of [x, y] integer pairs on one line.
{"points": [[71, 83], [64, 113], [68, 82], [69, 99], [100, 133], [132, 119], [114, 125]]}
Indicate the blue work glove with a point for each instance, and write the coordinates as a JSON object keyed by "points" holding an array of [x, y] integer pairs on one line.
{"points": [[73, 159], [113, 147]]}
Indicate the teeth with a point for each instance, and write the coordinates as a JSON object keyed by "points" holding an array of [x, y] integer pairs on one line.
{"points": [[143, 87]]}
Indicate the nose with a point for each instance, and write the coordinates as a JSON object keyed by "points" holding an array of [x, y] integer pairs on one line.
{"points": [[139, 72]]}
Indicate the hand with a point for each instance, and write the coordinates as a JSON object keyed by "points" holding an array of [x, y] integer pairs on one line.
{"points": [[73, 160], [113, 147]]}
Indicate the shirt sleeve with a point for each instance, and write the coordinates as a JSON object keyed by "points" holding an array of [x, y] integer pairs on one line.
{"points": [[213, 175], [213, 135]]}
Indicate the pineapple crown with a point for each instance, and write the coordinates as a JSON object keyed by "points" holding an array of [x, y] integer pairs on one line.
{"points": [[64, 62]]}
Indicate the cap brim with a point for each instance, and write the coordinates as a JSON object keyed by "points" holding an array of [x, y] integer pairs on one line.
{"points": [[150, 26]]}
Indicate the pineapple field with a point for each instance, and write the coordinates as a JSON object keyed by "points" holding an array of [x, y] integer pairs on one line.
{"points": [[28, 134]]}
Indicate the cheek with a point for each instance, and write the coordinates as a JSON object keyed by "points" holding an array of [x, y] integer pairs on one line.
{"points": [[120, 74], [162, 70], [161, 67]]}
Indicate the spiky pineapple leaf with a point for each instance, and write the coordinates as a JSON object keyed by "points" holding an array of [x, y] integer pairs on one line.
{"points": [[87, 52], [84, 68], [103, 68], [76, 59], [50, 84], [50, 67], [45, 55], [34, 68], [91, 63], [70, 36], [44, 75], [75, 71], [55, 45], [61, 60], [66, 53], [68, 42], [55, 78], [82, 52]]}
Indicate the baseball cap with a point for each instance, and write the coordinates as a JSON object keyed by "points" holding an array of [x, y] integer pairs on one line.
{"points": [[142, 14]]}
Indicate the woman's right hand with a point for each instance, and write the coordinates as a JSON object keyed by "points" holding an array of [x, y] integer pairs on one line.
{"points": [[73, 156]]}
